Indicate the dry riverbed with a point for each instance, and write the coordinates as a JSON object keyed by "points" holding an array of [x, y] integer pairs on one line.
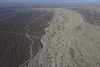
{"points": [[68, 42]]}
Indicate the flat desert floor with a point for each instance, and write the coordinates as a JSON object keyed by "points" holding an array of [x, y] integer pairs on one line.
{"points": [[51, 37], [71, 40], [21, 30]]}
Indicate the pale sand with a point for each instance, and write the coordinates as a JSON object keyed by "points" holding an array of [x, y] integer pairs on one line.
{"points": [[69, 42]]}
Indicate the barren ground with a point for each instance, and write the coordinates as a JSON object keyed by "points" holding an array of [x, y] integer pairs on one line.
{"points": [[19, 31], [69, 41], [50, 37]]}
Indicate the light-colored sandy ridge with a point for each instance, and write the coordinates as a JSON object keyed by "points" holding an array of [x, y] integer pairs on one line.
{"points": [[69, 42]]}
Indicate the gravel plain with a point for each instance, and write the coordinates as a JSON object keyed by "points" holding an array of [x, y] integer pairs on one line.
{"points": [[69, 41]]}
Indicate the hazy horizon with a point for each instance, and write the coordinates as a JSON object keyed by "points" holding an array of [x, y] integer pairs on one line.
{"points": [[50, 1]]}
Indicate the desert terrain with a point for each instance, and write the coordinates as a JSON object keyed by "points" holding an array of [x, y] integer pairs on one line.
{"points": [[50, 37], [71, 40], [19, 30]]}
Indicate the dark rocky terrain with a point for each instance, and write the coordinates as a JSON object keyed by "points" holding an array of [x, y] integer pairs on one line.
{"points": [[14, 44]]}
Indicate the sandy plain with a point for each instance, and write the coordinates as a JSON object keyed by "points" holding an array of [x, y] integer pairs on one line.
{"points": [[69, 41]]}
